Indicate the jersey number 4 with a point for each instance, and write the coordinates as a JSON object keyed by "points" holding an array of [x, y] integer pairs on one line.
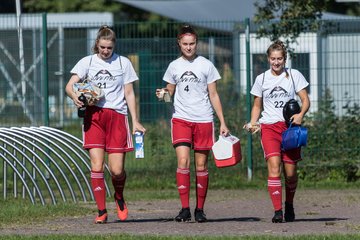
{"points": [[187, 88]]}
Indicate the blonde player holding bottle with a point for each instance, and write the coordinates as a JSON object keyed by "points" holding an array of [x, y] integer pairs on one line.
{"points": [[106, 127]]}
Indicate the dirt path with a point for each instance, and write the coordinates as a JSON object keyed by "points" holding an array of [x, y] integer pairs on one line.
{"points": [[236, 212]]}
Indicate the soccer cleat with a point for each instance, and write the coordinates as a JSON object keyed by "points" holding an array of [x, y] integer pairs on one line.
{"points": [[200, 215], [101, 218], [289, 212], [122, 211], [184, 215], [278, 217]]}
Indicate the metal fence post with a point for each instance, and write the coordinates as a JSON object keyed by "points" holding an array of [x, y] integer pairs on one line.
{"points": [[248, 99], [45, 78]]}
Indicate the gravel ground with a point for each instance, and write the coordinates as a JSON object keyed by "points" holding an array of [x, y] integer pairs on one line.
{"points": [[230, 213]]}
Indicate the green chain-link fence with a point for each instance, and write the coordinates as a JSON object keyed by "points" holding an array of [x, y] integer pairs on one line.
{"points": [[328, 59]]}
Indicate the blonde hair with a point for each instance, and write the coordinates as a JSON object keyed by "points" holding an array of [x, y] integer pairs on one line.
{"points": [[105, 33], [277, 46]]}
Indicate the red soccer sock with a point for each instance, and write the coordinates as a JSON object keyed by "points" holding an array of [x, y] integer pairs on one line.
{"points": [[202, 181], [183, 185], [118, 182], [98, 188], [275, 191], [290, 189]]}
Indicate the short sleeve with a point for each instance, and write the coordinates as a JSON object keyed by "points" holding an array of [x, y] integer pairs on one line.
{"points": [[168, 75], [82, 67], [129, 71], [299, 80], [213, 74], [256, 89]]}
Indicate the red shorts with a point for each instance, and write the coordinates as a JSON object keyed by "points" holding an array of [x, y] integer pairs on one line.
{"points": [[271, 143], [105, 128], [200, 135]]}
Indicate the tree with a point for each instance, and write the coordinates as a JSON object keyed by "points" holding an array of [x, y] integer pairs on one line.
{"points": [[121, 11], [288, 18], [70, 6], [351, 8], [7, 6]]}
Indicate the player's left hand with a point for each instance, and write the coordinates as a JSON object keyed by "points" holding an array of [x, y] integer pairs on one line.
{"points": [[296, 119], [224, 131], [137, 127]]}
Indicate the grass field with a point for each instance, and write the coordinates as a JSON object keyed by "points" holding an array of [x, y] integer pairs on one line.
{"points": [[147, 237], [17, 213]]}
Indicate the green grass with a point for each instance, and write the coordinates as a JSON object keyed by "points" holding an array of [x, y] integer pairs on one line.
{"points": [[18, 212], [328, 184], [148, 237]]}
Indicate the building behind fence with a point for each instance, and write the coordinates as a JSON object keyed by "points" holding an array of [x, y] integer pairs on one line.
{"points": [[33, 78]]}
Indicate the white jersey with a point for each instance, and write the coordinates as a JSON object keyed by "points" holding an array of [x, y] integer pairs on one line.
{"points": [[110, 75], [276, 91], [191, 99]]}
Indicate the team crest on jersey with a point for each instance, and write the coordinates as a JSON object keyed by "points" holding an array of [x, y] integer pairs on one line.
{"points": [[278, 92], [103, 75], [189, 76], [103, 72]]}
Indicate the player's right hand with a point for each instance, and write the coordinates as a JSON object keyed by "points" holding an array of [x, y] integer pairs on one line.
{"points": [[160, 93], [252, 128]]}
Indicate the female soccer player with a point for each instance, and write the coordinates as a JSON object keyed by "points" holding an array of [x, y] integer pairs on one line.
{"points": [[106, 127], [192, 80], [271, 90]]}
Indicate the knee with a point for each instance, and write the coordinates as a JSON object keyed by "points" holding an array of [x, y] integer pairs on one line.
{"points": [[291, 178], [201, 168], [274, 171], [183, 162], [117, 173], [97, 165]]}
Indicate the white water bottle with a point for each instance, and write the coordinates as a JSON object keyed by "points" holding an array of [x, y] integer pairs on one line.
{"points": [[139, 145]]}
